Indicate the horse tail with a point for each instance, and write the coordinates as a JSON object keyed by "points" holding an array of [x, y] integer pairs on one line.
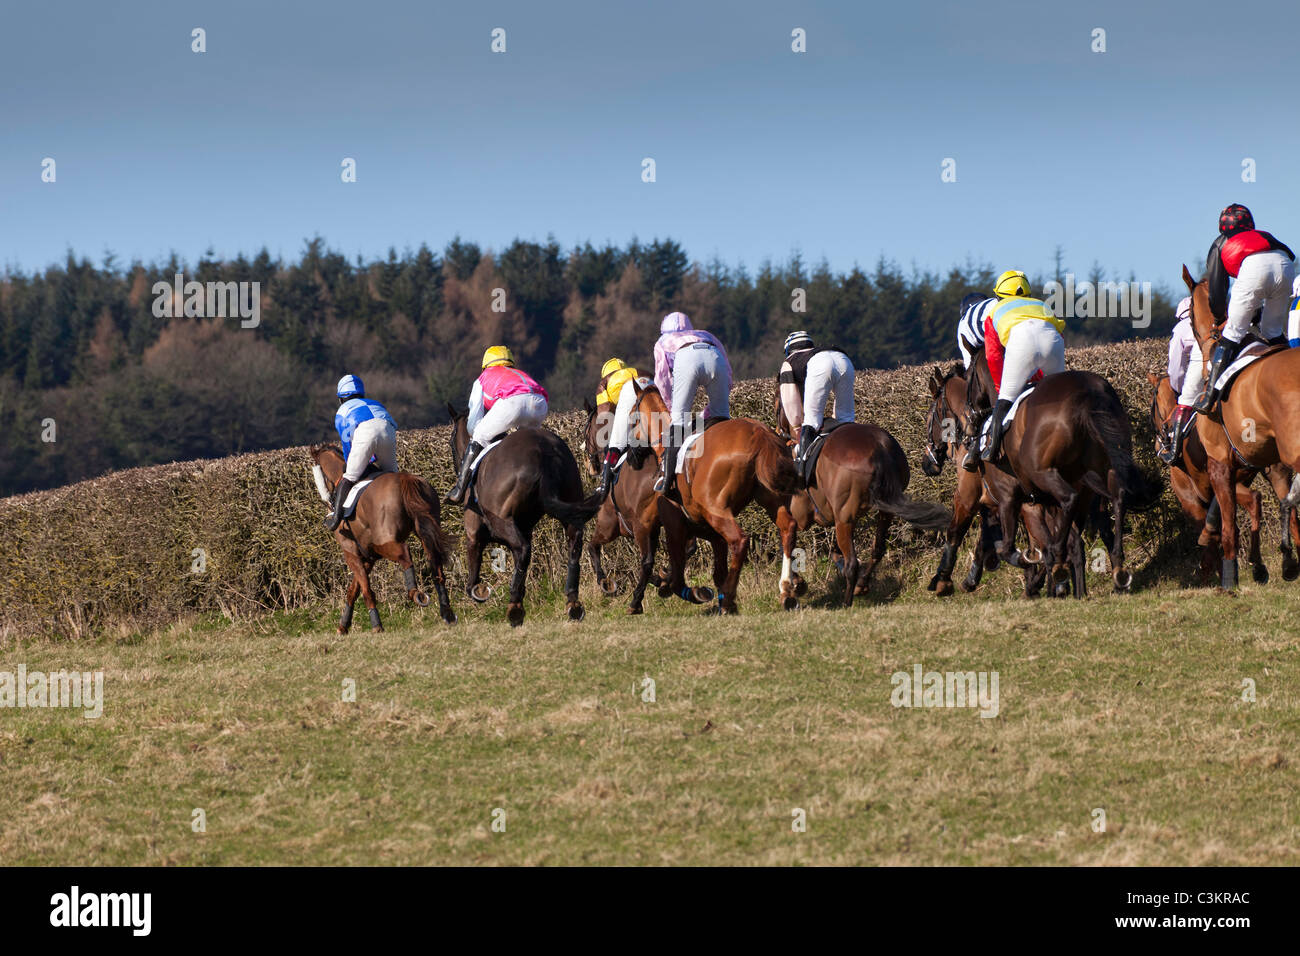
{"points": [[1105, 421], [422, 506], [887, 492], [775, 468], [573, 512]]}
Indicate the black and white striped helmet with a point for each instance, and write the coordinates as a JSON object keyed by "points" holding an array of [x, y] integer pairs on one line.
{"points": [[797, 341]]}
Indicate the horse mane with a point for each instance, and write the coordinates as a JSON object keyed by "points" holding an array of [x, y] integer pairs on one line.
{"points": [[319, 448]]}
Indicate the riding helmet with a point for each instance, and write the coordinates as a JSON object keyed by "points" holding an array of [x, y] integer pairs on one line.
{"points": [[498, 355], [797, 342], [350, 387], [1011, 283], [1234, 219]]}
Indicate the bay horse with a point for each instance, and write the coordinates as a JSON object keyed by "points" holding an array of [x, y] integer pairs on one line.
{"points": [[393, 506], [1255, 426], [631, 509], [735, 462], [531, 473], [946, 424], [1070, 441], [1190, 479], [861, 467]]}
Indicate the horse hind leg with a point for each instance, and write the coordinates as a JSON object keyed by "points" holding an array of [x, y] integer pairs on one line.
{"points": [[573, 606], [883, 523], [345, 619], [606, 531], [844, 541], [785, 522]]}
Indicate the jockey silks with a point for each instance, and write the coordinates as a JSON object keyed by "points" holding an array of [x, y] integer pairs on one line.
{"points": [[352, 413], [502, 381]]}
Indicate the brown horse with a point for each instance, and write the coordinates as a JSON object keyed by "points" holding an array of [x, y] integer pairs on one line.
{"points": [[1190, 479], [948, 421], [530, 474], [389, 510], [861, 467], [735, 462], [631, 509], [1257, 424], [1069, 441]]}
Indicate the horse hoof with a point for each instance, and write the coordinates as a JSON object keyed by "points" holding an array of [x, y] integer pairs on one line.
{"points": [[636, 609], [1032, 555], [341, 631], [1290, 570], [419, 597], [1260, 573], [515, 615], [1124, 579], [448, 615], [944, 588], [377, 629], [934, 583], [701, 595], [609, 587], [576, 612], [991, 562], [790, 603], [665, 590], [800, 586], [480, 592]]}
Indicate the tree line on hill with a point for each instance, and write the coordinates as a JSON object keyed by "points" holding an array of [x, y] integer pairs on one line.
{"points": [[93, 380]]}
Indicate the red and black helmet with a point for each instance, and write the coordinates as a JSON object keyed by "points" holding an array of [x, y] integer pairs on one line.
{"points": [[1234, 219]]}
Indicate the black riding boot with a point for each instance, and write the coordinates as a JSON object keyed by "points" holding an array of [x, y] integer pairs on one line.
{"points": [[335, 517], [1224, 355], [608, 476], [457, 494], [995, 430], [969, 460], [806, 436], [667, 484], [1182, 419]]}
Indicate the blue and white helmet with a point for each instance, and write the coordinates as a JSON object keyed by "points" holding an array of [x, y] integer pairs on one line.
{"points": [[350, 386], [797, 342]]}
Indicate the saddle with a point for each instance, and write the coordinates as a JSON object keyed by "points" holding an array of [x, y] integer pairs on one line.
{"points": [[1255, 349], [354, 496], [809, 470]]}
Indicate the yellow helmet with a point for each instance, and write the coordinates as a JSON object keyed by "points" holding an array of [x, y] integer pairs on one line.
{"points": [[498, 355], [1011, 283], [613, 365]]}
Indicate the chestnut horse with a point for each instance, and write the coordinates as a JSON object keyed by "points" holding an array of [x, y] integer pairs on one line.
{"points": [[530, 474], [735, 462], [860, 467], [1070, 440], [1190, 479], [389, 510], [1255, 426]]}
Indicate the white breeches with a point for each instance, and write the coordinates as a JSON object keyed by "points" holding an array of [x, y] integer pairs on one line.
{"points": [[622, 417], [1194, 380], [1032, 345], [513, 411], [695, 368], [1263, 283], [376, 439], [829, 373]]}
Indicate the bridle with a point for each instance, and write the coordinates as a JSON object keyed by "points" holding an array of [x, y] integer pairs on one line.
{"points": [[939, 411]]}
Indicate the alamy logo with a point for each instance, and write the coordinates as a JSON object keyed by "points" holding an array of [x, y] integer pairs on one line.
{"points": [[1102, 300], [79, 690], [211, 300], [923, 688], [134, 910]]}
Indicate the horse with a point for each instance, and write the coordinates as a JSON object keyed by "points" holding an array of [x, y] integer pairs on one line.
{"points": [[393, 506], [1069, 441], [1257, 424], [947, 421], [860, 467], [531, 473], [1190, 479], [630, 509], [735, 461]]}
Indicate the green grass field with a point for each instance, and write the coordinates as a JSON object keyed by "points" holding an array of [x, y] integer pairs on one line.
{"points": [[1128, 704]]}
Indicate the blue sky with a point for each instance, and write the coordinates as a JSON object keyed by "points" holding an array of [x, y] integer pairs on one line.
{"points": [[1123, 157]]}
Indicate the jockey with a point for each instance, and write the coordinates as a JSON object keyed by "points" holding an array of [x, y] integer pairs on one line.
{"points": [[807, 376], [970, 329], [615, 374], [1021, 338], [502, 398], [1264, 268], [366, 431], [685, 361], [1186, 376]]}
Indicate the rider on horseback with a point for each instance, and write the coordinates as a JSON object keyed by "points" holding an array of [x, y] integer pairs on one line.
{"points": [[1264, 268], [685, 361], [1186, 375], [615, 375], [1021, 338], [807, 376], [366, 431], [502, 398]]}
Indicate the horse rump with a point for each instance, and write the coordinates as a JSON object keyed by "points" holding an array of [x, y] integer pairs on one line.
{"points": [[421, 503]]}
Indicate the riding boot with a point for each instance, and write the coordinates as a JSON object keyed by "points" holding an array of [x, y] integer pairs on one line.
{"points": [[995, 430], [608, 476], [807, 434], [970, 460], [1174, 452], [335, 517], [1224, 355], [667, 483], [457, 494]]}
